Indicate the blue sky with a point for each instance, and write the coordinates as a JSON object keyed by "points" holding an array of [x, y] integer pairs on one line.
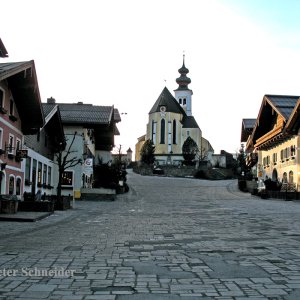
{"points": [[121, 52]]}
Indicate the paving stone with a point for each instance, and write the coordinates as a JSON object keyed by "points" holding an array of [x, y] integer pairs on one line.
{"points": [[168, 238]]}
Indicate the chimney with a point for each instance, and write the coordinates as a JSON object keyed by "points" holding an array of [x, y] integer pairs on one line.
{"points": [[51, 100]]}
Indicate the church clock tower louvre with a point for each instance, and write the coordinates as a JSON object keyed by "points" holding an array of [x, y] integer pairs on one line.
{"points": [[183, 94]]}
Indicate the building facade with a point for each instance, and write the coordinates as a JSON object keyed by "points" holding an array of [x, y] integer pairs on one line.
{"points": [[39, 167], [89, 135], [20, 114], [275, 140]]}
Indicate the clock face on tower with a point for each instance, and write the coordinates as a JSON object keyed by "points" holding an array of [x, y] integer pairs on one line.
{"points": [[162, 111]]}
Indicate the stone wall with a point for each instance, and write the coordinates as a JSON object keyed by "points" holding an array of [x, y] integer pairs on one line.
{"points": [[172, 171]]}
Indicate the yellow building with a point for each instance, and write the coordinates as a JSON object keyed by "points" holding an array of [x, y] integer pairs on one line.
{"points": [[275, 139], [171, 122]]}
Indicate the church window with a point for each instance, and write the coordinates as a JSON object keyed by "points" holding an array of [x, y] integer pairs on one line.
{"points": [[180, 101], [153, 132], [174, 131], [162, 131], [184, 101]]}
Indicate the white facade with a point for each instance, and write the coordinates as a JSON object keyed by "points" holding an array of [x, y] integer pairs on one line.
{"points": [[40, 173], [184, 98]]}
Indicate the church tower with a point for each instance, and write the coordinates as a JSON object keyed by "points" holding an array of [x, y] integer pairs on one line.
{"points": [[183, 94]]}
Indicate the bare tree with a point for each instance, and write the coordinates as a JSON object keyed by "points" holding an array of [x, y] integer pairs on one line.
{"points": [[202, 154], [65, 159]]}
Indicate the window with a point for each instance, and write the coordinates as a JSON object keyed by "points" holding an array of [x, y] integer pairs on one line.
{"points": [[1, 98], [184, 101], [49, 175], [180, 101], [287, 152], [11, 185], [266, 161], [27, 168], [162, 131], [18, 145], [40, 172], [291, 177], [45, 174], [284, 178], [11, 144], [11, 107], [274, 158], [18, 186], [293, 150], [153, 132], [34, 162], [174, 132], [67, 178], [1, 136]]}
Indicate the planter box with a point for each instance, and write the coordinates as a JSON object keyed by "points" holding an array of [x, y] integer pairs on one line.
{"points": [[9, 206], [63, 203], [98, 194], [43, 206]]}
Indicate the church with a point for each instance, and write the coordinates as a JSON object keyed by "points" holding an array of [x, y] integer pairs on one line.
{"points": [[171, 122]]}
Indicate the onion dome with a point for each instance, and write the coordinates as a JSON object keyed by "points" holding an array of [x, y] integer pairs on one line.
{"points": [[183, 81]]}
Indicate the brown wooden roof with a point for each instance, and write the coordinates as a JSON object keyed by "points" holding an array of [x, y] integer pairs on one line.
{"points": [[22, 81], [270, 127], [3, 51]]}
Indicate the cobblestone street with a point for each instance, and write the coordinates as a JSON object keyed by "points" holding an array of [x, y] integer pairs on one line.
{"points": [[168, 238]]}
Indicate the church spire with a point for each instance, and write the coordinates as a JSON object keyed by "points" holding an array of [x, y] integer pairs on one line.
{"points": [[183, 81], [183, 94]]}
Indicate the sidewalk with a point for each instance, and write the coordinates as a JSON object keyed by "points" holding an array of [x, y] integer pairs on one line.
{"points": [[25, 216]]}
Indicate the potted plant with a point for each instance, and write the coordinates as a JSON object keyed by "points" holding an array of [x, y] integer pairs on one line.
{"points": [[27, 182], [13, 118], [10, 155]]}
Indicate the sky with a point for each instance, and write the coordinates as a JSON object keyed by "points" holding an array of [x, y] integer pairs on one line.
{"points": [[123, 53]]}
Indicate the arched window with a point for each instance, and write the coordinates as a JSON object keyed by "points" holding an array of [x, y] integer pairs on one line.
{"points": [[274, 175], [291, 177], [180, 101], [184, 101], [174, 132], [284, 177], [18, 186], [11, 185], [162, 131]]}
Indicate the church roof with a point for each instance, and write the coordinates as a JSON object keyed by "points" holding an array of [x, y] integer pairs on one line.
{"points": [[167, 99], [189, 122]]}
